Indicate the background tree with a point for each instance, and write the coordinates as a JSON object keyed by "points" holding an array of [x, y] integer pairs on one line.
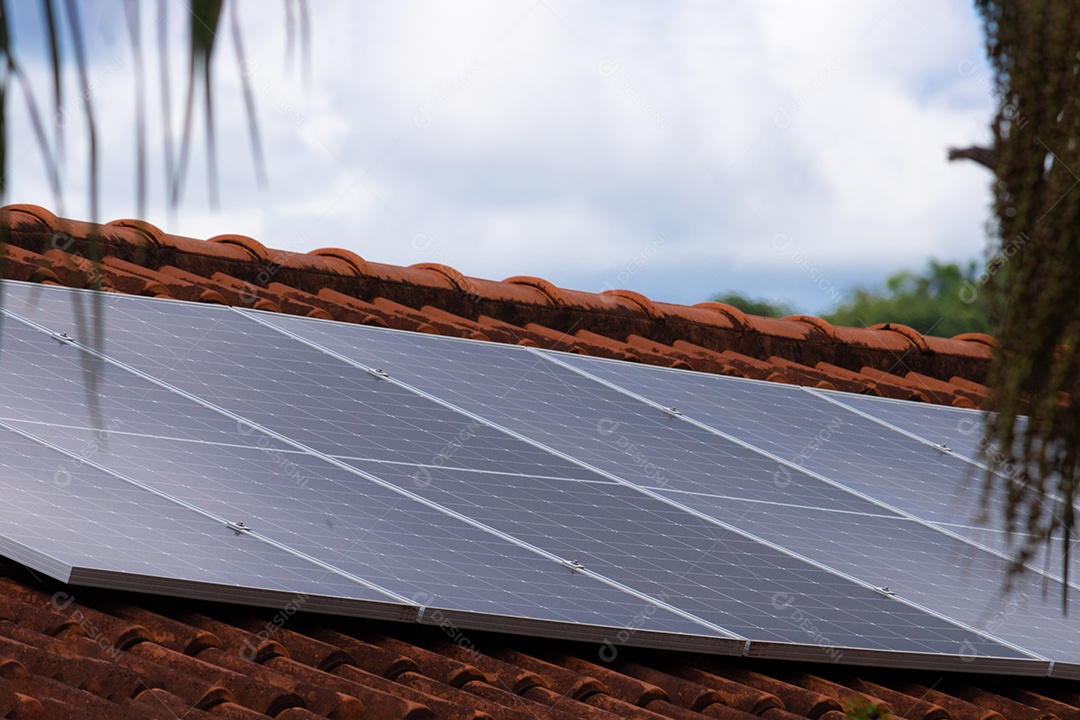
{"points": [[754, 306], [943, 300], [1033, 48]]}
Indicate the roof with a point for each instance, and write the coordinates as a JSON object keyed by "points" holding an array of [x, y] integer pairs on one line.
{"points": [[76, 652], [139, 259]]}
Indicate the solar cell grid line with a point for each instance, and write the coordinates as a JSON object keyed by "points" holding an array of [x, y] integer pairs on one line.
{"points": [[941, 445], [580, 418], [224, 357], [477, 504], [361, 527], [237, 527], [914, 420], [617, 606], [924, 628], [812, 434], [908, 558], [955, 531], [959, 428], [87, 527], [837, 608]]}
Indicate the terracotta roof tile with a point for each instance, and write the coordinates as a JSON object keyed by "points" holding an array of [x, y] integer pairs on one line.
{"points": [[996, 703], [878, 385], [735, 318], [664, 353], [1033, 699], [918, 342], [795, 699], [920, 390], [116, 655], [818, 378], [734, 694]]}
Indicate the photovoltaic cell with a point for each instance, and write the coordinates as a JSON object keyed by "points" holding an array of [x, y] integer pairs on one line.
{"points": [[66, 518], [827, 439], [352, 524], [574, 477], [907, 557], [960, 429], [712, 572], [812, 433], [226, 359], [963, 431], [325, 512], [574, 415]]}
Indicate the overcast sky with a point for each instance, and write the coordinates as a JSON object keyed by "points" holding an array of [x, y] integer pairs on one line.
{"points": [[786, 150]]}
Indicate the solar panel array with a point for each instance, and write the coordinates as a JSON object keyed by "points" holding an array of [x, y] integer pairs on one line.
{"points": [[212, 452]]}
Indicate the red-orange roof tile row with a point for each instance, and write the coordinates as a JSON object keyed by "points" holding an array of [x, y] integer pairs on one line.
{"points": [[68, 653], [139, 259]]}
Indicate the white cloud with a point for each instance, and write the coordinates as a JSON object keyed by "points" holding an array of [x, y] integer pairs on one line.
{"points": [[558, 140]]}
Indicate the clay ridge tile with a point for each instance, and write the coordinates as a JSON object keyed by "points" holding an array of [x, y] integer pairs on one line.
{"points": [[635, 299], [733, 314], [256, 249], [549, 291], [914, 336], [456, 279]]}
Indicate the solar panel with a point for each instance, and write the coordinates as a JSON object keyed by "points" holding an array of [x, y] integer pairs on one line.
{"points": [[578, 417], [570, 413], [961, 430], [63, 516], [804, 430], [699, 566], [499, 486], [224, 358], [958, 428], [907, 557], [349, 523], [338, 518]]}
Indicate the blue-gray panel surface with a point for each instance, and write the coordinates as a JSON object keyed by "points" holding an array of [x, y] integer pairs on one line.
{"points": [[191, 452], [62, 516], [248, 369], [355, 525], [910, 558], [959, 428], [812, 433], [321, 407], [574, 415], [701, 567]]}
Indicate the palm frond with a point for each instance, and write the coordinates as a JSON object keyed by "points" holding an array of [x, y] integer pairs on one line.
{"points": [[249, 98], [165, 82], [131, 8], [55, 57]]}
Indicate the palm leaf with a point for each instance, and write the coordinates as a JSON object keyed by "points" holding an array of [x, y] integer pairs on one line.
{"points": [[166, 99], [131, 8], [52, 36], [205, 16], [249, 99]]}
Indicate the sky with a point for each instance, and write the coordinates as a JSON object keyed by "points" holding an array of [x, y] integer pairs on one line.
{"points": [[783, 150]]}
